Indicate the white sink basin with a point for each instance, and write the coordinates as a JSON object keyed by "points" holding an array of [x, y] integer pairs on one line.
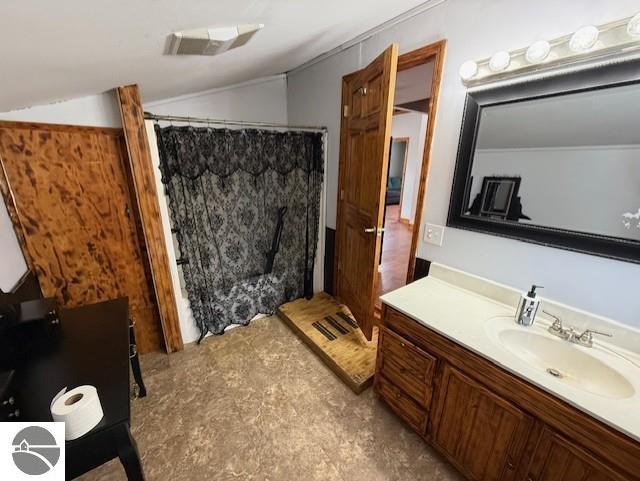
{"points": [[566, 362]]}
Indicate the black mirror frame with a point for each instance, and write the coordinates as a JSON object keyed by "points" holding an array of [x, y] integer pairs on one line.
{"points": [[595, 78]]}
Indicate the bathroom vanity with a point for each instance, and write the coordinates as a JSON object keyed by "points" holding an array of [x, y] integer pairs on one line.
{"points": [[506, 402]]}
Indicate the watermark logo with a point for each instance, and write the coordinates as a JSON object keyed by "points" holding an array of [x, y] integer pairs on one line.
{"points": [[35, 450], [32, 451]]}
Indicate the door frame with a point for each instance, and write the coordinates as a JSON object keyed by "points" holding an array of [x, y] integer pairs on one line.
{"points": [[436, 52], [406, 141], [433, 52]]}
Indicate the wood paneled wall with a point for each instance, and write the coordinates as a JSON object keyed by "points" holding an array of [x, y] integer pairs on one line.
{"points": [[67, 191]]}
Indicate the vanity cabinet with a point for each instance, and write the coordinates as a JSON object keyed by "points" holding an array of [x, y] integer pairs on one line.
{"points": [[481, 433], [490, 424], [556, 458], [411, 370], [410, 367]]}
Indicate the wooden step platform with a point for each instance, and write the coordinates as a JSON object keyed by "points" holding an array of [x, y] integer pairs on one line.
{"points": [[343, 348]]}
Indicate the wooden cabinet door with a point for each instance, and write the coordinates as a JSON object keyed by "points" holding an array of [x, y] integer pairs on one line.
{"points": [[367, 106], [555, 458], [482, 434], [72, 199]]}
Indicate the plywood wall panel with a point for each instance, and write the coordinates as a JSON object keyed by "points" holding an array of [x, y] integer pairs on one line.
{"points": [[73, 202]]}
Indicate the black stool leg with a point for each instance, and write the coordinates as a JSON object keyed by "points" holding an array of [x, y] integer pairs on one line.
{"points": [[135, 361], [128, 453]]}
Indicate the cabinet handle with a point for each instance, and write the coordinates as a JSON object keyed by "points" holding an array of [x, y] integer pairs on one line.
{"points": [[398, 396], [510, 463], [402, 344]]}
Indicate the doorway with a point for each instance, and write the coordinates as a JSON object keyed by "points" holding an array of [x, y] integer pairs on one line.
{"points": [[405, 102], [396, 238], [408, 133]]}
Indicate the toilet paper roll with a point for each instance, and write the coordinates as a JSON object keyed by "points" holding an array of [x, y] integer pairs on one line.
{"points": [[79, 409]]}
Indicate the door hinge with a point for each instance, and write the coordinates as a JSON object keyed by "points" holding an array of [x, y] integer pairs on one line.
{"points": [[341, 194], [345, 111]]}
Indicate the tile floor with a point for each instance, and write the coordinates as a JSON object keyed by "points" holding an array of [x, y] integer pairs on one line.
{"points": [[257, 404]]}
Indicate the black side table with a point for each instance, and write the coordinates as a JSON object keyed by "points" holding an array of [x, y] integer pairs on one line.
{"points": [[91, 345]]}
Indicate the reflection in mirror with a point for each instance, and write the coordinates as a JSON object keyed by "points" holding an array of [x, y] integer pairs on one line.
{"points": [[567, 161]]}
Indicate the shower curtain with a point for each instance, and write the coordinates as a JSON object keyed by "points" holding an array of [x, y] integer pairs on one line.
{"points": [[244, 206]]}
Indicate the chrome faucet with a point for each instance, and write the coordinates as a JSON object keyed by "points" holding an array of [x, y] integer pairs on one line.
{"points": [[586, 338], [569, 333]]}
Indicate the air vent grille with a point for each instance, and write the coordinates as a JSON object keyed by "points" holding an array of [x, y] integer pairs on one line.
{"points": [[212, 41]]}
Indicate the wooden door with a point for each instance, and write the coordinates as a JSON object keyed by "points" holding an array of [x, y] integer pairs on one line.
{"points": [[367, 108], [73, 203], [482, 434], [556, 458]]}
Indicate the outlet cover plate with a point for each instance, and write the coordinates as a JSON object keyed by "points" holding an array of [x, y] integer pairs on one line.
{"points": [[433, 234]]}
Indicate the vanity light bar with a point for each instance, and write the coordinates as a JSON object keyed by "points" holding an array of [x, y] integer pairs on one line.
{"points": [[586, 43]]}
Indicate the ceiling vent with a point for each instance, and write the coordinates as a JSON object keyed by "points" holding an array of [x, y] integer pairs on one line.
{"points": [[210, 41]]}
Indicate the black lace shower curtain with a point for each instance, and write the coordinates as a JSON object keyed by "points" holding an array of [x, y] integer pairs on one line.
{"points": [[234, 197]]}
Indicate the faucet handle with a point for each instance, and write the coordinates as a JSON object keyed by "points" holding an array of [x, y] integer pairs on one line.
{"points": [[588, 334], [586, 338], [557, 322]]}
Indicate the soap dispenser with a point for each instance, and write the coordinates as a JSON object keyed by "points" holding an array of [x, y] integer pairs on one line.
{"points": [[527, 308]]}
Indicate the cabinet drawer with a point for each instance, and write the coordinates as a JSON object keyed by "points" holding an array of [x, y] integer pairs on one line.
{"points": [[406, 327], [407, 366], [402, 404]]}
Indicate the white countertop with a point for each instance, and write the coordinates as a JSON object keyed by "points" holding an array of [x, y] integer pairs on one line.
{"points": [[464, 316]]}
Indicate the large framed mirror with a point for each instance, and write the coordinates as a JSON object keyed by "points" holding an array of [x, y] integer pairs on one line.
{"points": [[554, 161]]}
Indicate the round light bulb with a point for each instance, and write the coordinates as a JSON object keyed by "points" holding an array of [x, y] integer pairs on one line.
{"points": [[499, 61], [468, 70], [633, 27], [584, 39], [538, 51]]}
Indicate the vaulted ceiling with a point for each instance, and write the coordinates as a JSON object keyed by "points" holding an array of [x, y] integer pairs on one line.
{"points": [[58, 50]]}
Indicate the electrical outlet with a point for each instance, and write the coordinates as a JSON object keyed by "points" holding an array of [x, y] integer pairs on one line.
{"points": [[433, 234]]}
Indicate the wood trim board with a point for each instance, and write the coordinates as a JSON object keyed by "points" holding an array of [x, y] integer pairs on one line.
{"points": [[146, 197]]}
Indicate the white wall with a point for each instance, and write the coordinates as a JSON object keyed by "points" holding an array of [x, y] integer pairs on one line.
{"points": [[554, 194], [97, 110], [414, 126], [474, 30], [13, 263], [262, 100]]}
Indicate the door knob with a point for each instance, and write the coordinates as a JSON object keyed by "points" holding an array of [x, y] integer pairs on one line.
{"points": [[370, 230]]}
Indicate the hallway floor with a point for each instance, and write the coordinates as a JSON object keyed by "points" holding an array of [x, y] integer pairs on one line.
{"points": [[257, 404], [392, 273]]}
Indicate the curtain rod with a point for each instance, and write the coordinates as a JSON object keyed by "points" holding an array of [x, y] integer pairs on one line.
{"points": [[195, 120]]}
